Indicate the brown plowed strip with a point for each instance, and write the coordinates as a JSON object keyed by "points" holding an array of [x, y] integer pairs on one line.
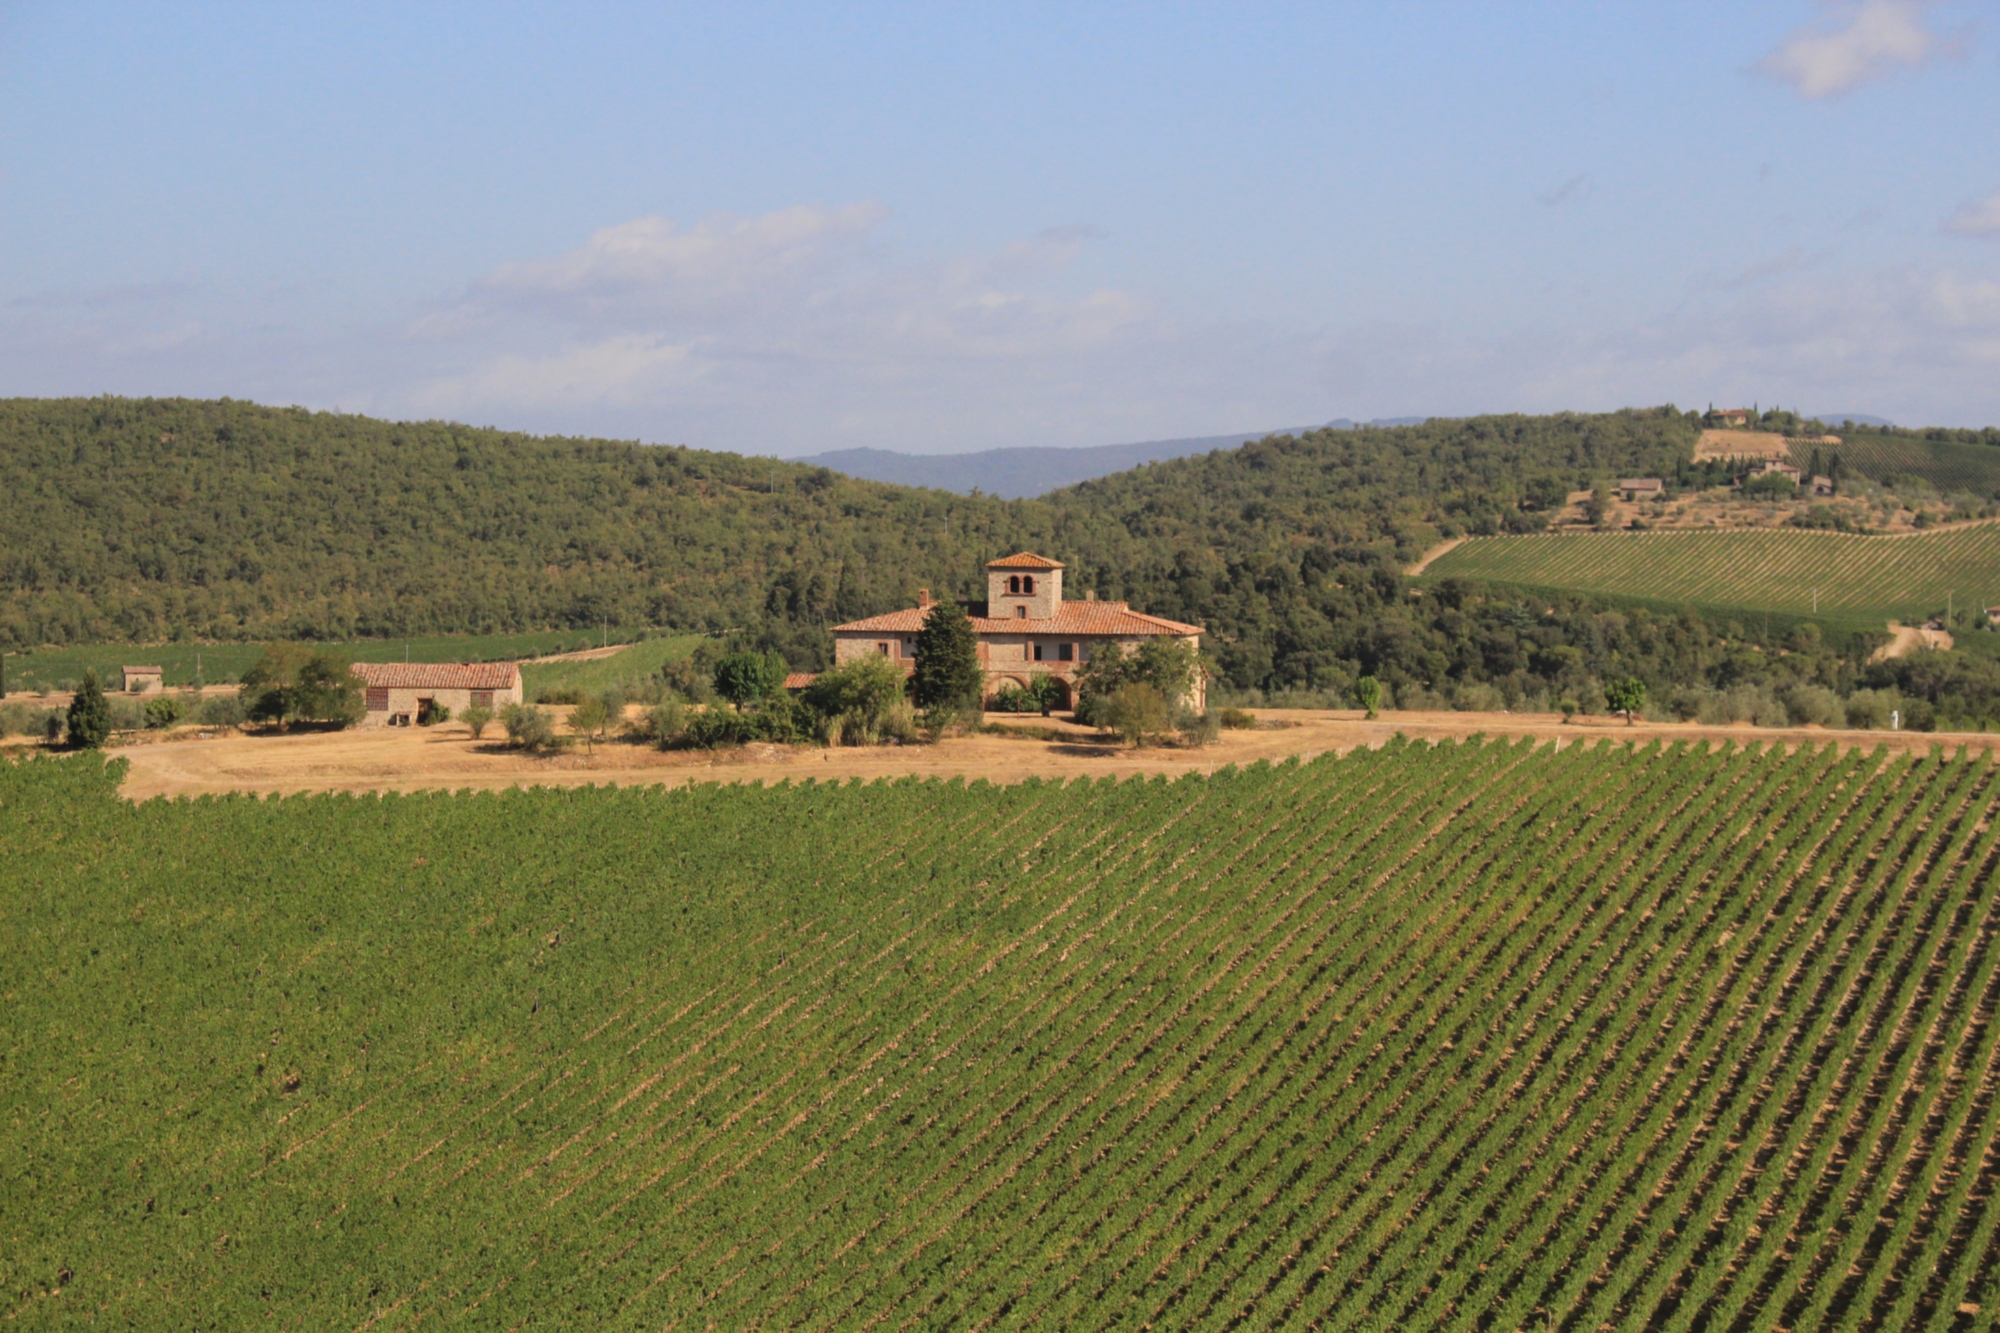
{"points": [[417, 759]]}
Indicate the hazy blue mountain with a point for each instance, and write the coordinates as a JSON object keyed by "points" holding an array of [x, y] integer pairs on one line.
{"points": [[1017, 473]]}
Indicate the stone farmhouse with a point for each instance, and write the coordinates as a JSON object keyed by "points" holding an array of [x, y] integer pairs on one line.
{"points": [[1025, 629], [397, 694], [142, 679]]}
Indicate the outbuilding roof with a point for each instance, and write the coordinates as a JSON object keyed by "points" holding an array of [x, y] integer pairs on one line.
{"points": [[439, 675], [141, 671], [1082, 619], [1024, 560]]}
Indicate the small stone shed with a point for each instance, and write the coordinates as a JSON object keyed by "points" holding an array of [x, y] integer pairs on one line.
{"points": [[143, 679], [396, 694]]}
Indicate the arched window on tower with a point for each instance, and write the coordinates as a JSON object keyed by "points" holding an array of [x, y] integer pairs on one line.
{"points": [[1028, 585], [1013, 583]]}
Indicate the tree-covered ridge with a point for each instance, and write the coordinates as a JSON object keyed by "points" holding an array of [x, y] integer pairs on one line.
{"points": [[151, 519]]}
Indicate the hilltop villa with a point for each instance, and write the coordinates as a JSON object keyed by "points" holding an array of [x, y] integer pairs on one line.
{"points": [[1025, 629]]}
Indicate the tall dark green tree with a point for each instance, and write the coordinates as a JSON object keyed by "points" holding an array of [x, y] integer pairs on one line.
{"points": [[948, 673], [89, 715]]}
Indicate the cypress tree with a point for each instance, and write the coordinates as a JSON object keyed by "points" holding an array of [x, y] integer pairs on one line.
{"points": [[89, 715], [948, 673]]}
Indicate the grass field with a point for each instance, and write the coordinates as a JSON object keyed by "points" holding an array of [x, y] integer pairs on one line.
{"points": [[622, 670], [1859, 580], [222, 663], [1477, 1036], [1945, 465]]}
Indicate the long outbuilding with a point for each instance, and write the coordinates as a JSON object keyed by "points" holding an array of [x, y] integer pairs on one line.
{"points": [[398, 694]]}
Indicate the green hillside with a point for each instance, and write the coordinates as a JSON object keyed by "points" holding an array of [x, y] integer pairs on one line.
{"points": [[1948, 465], [1833, 575], [1474, 1037], [142, 520]]}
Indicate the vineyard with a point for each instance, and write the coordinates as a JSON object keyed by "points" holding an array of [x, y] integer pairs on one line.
{"points": [[1947, 465], [1476, 1036], [222, 663], [1841, 577]]}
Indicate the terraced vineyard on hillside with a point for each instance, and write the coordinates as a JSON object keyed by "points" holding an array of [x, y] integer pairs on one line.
{"points": [[1862, 580], [1479, 1036], [1945, 464]]}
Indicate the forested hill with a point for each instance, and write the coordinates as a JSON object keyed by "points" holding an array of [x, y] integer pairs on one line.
{"points": [[147, 519]]}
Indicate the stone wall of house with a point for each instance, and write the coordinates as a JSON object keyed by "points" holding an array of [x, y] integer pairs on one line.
{"points": [[386, 707]]}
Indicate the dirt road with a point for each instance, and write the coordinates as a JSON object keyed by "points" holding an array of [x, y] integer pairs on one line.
{"points": [[416, 759], [1906, 639]]}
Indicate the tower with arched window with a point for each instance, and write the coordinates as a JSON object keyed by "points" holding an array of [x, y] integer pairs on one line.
{"points": [[1026, 631]]}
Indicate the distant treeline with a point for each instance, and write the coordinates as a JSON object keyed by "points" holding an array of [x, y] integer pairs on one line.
{"points": [[154, 519]]}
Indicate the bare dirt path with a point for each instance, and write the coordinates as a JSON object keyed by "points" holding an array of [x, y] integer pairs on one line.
{"points": [[416, 759], [581, 654], [1906, 639], [1433, 554]]}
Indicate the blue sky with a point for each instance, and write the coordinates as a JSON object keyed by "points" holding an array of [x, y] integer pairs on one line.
{"points": [[787, 228]]}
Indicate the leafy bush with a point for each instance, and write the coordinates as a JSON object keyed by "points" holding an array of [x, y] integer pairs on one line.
{"points": [[1197, 728], [663, 723], [1869, 710], [1135, 712], [744, 678], [291, 683], [1812, 705], [1770, 486], [220, 710], [19, 719], [1170, 666], [1236, 719], [431, 713], [589, 718], [1041, 696], [859, 702], [476, 719], [1368, 693], [529, 728], [162, 712]]}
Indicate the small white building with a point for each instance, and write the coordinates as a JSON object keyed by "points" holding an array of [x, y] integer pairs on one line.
{"points": [[143, 679], [398, 694]]}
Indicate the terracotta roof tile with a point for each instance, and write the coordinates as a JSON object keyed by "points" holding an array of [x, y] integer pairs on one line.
{"points": [[439, 675], [141, 670], [1025, 560], [798, 680], [1082, 618]]}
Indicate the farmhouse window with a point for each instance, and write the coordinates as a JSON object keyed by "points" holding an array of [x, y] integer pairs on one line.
{"points": [[378, 699], [1065, 652], [883, 649], [482, 698], [1014, 584], [1020, 613], [1027, 585], [1038, 652]]}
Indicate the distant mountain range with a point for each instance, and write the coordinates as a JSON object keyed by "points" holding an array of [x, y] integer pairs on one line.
{"points": [[1019, 473]]}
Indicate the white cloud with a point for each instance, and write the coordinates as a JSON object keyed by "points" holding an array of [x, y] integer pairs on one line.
{"points": [[1981, 217], [812, 329], [1862, 43]]}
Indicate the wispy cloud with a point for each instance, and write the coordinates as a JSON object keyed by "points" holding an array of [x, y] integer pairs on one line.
{"points": [[1858, 44], [1980, 217]]}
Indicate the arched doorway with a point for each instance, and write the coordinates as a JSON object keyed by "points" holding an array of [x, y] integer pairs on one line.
{"points": [[999, 683]]}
